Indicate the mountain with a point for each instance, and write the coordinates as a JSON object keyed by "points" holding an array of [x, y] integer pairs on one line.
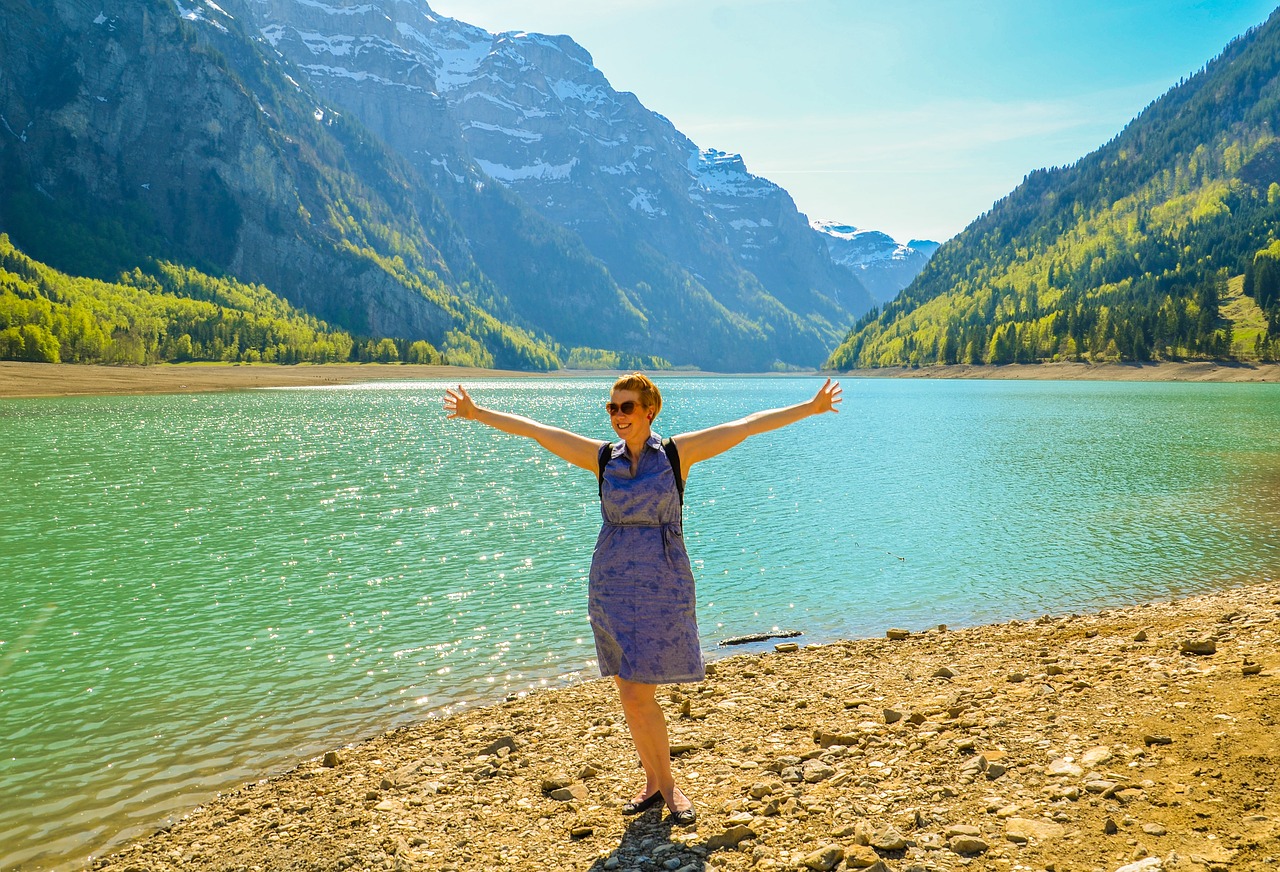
{"points": [[1158, 245], [715, 266], [139, 133], [394, 173], [883, 266]]}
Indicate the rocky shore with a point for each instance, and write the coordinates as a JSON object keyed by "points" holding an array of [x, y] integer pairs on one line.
{"points": [[1142, 738]]}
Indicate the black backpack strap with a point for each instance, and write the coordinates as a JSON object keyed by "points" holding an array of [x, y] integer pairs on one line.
{"points": [[606, 451], [673, 455]]}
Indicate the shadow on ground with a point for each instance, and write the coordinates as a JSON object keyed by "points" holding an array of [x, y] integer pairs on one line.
{"points": [[647, 844]]}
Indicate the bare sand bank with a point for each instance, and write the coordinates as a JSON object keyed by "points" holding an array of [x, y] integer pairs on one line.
{"points": [[18, 379], [1141, 738], [25, 380], [1190, 371]]}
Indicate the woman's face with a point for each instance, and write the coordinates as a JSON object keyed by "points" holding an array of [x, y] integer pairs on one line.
{"points": [[627, 415]]}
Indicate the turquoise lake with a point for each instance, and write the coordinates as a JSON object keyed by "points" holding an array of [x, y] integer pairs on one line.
{"points": [[200, 590]]}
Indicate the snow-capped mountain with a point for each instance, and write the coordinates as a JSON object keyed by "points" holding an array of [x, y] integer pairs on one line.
{"points": [[398, 173], [680, 228], [883, 265]]}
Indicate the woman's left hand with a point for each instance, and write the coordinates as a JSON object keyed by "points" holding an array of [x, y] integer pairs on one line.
{"points": [[827, 399]]}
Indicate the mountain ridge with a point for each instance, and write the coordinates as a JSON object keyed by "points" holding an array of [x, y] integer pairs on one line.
{"points": [[496, 209], [1126, 254]]}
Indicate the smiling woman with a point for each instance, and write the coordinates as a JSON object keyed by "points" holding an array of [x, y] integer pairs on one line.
{"points": [[642, 593]]}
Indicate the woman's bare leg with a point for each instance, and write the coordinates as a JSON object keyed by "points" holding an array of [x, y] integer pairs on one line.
{"points": [[648, 727]]}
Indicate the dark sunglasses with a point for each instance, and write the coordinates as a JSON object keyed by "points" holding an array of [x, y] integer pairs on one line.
{"points": [[625, 408]]}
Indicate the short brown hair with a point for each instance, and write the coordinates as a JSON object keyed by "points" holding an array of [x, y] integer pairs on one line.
{"points": [[650, 396]]}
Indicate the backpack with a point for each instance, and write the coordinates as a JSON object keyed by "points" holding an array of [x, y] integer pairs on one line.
{"points": [[673, 456]]}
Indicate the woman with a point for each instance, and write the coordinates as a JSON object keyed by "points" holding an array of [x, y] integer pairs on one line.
{"points": [[641, 593]]}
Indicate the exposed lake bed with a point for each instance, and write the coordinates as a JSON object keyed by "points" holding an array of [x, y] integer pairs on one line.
{"points": [[1099, 741], [19, 379]]}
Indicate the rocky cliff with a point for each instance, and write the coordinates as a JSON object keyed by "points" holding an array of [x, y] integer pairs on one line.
{"points": [[399, 173], [709, 256]]}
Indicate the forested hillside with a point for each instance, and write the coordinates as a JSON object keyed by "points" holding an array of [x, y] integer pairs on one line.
{"points": [[1129, 254], [175, 314]]}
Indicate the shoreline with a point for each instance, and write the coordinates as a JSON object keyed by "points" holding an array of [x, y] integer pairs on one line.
{"points": [[1094, 741], [22, 380], [1176, 371]]}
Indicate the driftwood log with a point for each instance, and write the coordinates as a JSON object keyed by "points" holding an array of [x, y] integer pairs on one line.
{"points": [[761, 637]]}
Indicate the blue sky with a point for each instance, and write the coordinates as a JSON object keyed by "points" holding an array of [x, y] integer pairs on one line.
{"points": [[910, 117]]}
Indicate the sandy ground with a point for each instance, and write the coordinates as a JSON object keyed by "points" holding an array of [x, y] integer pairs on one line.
{"points": [[1197, 371], [1141, 738], [19, 379]]}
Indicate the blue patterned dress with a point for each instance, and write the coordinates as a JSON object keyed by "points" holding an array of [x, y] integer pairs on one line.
{"points": [[641, 598]]}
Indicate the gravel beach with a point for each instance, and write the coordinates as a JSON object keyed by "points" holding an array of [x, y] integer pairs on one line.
{"points": [[1139, 738]]}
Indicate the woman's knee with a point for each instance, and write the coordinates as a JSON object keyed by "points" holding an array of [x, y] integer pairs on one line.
{"points": [[633, 693]]}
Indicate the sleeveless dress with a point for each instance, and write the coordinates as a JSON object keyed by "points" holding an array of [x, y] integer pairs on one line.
{"points": [[641, 598]]}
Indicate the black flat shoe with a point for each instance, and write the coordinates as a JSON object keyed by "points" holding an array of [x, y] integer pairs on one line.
{"points": [[642, 804], [686, 818]]}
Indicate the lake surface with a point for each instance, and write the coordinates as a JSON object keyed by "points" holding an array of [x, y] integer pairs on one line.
{"points": [[196, 591]]}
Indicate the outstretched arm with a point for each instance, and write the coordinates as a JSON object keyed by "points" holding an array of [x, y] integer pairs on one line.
{"points": [[578, 450], [704, 444]]}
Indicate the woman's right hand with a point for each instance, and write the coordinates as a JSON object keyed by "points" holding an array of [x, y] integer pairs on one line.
{"points": [[458, 404]]}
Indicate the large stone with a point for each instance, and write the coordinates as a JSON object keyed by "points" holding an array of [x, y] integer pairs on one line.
{"points": [[577, 791], [1096, 756], [887, 838], [828, 739], [1063, 767], [816, 770], [730, 837], [825, 858], [968, 845], [1149, 864], [1199, 647], [492, 749], [555, 782], [860, 857], [1023, 830]]}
